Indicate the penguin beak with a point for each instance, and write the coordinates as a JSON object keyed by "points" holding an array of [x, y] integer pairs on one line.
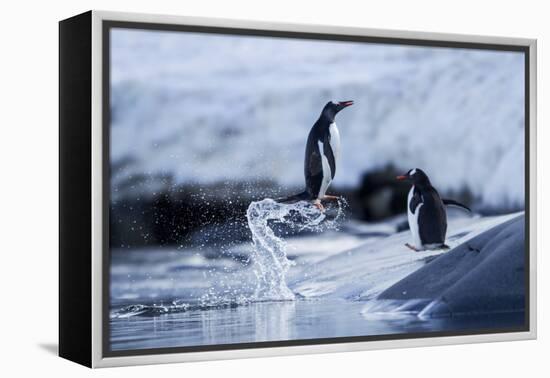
{"points": [[402, 177], [345, 104]]}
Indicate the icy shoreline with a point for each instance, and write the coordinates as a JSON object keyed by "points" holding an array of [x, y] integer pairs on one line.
{"points": [[483, 275], [334, 265], [364, 272]]}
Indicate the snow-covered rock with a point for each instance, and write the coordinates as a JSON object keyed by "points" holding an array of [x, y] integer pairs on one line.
{"points": [[486, 274], [366, 271]]}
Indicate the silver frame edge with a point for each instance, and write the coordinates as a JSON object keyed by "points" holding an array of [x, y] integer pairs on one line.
{"points": [[97, 209], [97, 191]]}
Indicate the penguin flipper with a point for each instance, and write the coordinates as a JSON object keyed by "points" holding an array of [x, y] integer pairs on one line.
{"points": [[432, 225], [450, 202], [327, 151], [304, 196], [313, 165], [415, 201], [313, 170]]}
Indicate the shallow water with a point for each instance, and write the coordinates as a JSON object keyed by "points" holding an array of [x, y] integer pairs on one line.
{"points": [[279, 321], [321, 284]]}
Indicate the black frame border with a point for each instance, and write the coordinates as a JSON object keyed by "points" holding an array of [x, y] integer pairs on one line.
{"points": [[108, 25], [75, 189]]}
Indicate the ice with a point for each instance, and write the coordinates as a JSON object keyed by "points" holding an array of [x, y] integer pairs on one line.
{"points": [[325, 266], [365, 271]]}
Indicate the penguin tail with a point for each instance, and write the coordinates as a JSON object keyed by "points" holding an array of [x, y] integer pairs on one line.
{"points": [[450, 202], [294, 198]]}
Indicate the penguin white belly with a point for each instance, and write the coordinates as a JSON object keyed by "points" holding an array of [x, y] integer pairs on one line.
{"points": [[334, 141], [413, 220], [327, 175]]}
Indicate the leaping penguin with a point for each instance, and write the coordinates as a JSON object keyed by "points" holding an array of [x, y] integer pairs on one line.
{"points": [[426, 212], [321, 159]]}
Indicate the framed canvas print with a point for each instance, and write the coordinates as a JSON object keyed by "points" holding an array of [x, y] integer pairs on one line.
{"points": [[232, 189]]}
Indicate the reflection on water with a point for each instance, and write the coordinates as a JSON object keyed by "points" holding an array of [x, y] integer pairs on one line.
{"points": [[195, 296], [279, 321]]}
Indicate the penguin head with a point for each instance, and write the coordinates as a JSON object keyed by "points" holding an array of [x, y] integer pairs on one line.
{"points": [[332, 108], [417, 176]]}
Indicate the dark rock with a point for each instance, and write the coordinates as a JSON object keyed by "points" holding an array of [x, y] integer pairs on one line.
{"points": [[484, 275]]}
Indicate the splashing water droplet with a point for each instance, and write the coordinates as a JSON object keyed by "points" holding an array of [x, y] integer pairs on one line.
{"points": [[270, 258]]}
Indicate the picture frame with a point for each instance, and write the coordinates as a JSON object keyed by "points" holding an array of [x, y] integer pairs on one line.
{"points": [[85, 116]]}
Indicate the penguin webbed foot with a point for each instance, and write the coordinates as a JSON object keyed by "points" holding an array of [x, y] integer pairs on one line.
{"points": [[412, 247], [319, 205]]}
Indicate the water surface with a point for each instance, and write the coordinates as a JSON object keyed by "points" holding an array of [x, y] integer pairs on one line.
{"points": [[280, 321]]}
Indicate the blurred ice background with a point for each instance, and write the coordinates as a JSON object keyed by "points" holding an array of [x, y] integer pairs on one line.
{"points": [[208, 108], [224, 118]]}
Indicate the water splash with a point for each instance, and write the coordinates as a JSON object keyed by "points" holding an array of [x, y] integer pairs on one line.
{"points": [[177, 306], [270, 258]]}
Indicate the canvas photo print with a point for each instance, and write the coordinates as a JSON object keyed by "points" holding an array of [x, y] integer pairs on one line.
{"points": [[287, 190]]}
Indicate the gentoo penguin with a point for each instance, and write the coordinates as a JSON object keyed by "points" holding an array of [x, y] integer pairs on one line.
{"points": [[426, 212], [322, 154]]}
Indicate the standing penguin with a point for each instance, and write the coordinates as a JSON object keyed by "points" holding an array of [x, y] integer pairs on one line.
{"points": [[322, 154], [426, 212]]}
